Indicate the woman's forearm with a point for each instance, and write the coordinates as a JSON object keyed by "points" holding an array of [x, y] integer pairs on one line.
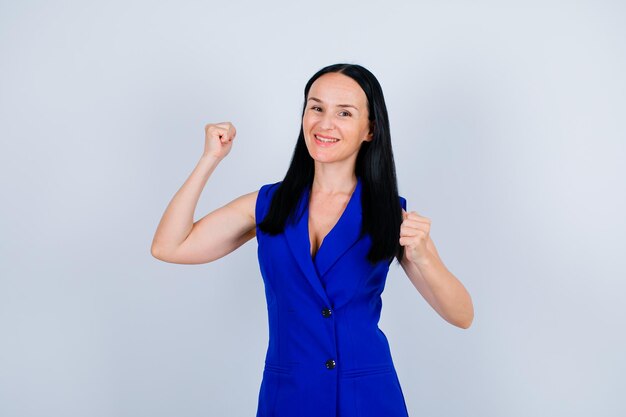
{"points": [[177, 220], [443, 290]]}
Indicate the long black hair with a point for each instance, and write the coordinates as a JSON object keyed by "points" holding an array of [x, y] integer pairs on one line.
{"points": [[382, 212]]}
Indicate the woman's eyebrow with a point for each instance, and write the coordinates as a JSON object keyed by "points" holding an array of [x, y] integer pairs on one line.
{"points": [[338, 105]]}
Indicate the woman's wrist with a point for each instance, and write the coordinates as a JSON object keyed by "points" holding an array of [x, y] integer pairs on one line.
{"points": [[209, 159]]}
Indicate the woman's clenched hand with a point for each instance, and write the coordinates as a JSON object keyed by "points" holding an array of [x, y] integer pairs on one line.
{"points": [[218, 139], [414, 235]]}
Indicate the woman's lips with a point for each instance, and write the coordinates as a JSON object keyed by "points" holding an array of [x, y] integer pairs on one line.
{"points": [[322, 140]]}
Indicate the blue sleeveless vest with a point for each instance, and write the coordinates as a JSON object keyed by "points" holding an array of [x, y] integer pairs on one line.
{"points": [[326, 356]]}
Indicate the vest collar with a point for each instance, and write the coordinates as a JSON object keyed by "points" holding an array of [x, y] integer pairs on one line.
{"points": [[344, 234]]}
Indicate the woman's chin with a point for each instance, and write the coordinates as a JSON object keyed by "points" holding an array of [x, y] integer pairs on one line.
{"points": [[322, 158]]}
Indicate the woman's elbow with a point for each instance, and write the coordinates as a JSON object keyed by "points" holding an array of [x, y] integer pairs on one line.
{"points": [[465, 324], [162, 255], [464, 321], [157, 252]]}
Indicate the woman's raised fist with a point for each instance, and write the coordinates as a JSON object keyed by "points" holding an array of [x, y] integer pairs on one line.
{"points": [[218, 139]]}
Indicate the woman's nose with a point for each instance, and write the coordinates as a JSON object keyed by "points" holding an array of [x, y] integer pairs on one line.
{"points": [[327, 121]]}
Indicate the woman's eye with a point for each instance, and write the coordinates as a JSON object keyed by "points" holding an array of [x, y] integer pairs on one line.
{"points": [[343, 113]]}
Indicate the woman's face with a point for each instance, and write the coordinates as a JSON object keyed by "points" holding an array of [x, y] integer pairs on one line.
{"points": [[335, 120]]}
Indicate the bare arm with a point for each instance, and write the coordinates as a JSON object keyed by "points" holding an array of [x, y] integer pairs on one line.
{"points": [[426, 270], [178, 239]]}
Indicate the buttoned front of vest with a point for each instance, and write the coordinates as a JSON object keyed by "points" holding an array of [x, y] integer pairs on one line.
{"points": [[326, 355]]}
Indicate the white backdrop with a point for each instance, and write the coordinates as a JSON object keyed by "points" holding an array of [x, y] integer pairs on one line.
{"points": [[508, 127]]}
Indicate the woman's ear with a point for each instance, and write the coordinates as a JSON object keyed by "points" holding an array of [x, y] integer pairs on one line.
{"points": [[370, 135]]}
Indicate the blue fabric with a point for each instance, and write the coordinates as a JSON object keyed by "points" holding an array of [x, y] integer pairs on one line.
{"points": [[304, 337]]}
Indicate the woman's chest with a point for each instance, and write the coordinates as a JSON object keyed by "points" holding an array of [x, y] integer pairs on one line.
{"points": [[323, 216]]}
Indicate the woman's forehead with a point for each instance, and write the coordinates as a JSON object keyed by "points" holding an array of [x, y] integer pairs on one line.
{"points": [[335, 88]]}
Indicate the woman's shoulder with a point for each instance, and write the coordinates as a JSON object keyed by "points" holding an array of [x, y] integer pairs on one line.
{"points": [[402, 202], [266, 190], [265, 194]]}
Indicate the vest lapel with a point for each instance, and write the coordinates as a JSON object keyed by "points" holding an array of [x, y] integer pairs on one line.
{"points": [[340, 238], [297, 236], [343, 235]]}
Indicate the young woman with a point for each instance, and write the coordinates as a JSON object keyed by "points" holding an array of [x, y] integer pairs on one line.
{"points": [[327, 234]]}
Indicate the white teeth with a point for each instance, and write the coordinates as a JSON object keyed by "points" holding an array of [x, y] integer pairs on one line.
{"points": [[326, 140]]}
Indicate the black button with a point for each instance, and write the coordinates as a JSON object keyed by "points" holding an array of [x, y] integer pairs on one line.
{"points": [[326, 312], [330, 364]]}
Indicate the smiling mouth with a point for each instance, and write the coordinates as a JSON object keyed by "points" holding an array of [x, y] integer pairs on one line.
{"points": [[325, 139]]}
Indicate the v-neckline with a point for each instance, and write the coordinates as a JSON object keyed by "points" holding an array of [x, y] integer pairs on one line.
{"points": [[339, 220]]}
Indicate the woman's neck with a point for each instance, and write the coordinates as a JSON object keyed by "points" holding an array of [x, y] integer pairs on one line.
{"points": [[334, 178]]}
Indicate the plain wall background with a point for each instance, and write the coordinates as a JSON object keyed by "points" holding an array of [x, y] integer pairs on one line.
{"points": [[508, 126]]}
